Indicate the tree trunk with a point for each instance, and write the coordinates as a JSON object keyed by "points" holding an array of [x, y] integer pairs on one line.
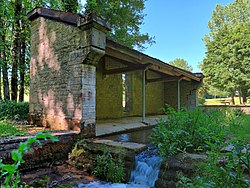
{"points": [[16, 49], [6, 91], [232, 96], [240, 97], [1, 98], [244, 95], [22, 63]]}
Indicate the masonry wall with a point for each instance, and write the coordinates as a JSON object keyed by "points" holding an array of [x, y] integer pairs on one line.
{"points": [[109, 96], [186, 88], [56, 64]]}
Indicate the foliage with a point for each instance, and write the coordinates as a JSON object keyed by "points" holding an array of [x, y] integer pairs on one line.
{"points": [[201, 100], [181, 63], [219, 101], [217, 92], [207, 132], [10, 172], [241, 129], [109, 167], [189, 130], [223, 169], [12, 110], [7, 129], [126, 31], [15, 34], [226, 65]]}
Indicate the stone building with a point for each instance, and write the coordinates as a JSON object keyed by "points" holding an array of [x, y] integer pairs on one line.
{"points": [[79, 75]]}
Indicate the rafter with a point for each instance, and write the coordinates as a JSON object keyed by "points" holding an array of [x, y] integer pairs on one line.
{"points": [[126, 69]]}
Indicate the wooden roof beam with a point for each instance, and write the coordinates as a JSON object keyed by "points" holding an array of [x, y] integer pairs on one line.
{"points": [[163, 70], [164, 79], [126, 69], [186, 78]]}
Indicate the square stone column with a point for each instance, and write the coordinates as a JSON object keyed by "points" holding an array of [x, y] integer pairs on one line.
{"points": [[95, 30], [65, 49]]}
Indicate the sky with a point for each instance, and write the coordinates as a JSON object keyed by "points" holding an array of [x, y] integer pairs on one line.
{"points": [[178, 27]]}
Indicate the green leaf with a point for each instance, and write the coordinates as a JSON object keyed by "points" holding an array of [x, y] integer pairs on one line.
{"points": [[16, 155], [11, 169]]}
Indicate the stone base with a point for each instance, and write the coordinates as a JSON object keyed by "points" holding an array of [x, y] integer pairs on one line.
{"points": [[171, 169], [39, 155], [62, 123]]}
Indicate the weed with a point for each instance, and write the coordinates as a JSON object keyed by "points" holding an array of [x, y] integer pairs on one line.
{"points": [[112, 169], [10, 172], [188, 131], [196, 130]]}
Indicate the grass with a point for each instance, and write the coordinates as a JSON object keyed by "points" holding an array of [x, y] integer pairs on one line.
{"points": [[242, 131], [218, 101], [7, 129]]}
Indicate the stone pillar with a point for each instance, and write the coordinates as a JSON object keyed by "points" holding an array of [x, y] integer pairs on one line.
{"points": [[65, 49], [95, 32]]}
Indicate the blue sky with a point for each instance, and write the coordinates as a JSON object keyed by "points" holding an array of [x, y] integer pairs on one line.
{"points": [[178, 27]]}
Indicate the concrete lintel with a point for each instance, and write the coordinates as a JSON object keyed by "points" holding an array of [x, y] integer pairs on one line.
{"points": [[66, 17], [91, 20]]}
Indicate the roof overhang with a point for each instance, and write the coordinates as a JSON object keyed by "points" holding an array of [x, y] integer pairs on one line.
{"points": [[124, 53], [136, 60]]}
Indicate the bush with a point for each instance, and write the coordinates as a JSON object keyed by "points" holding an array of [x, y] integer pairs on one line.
{"points": [[206, 131], [109, 168], [189, 131], [14, 110], [223, 169], [201, 100], [8, 129]]}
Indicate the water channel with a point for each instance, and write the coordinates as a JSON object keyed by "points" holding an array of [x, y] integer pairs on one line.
{"points": [[140, 136], [147, 163]]}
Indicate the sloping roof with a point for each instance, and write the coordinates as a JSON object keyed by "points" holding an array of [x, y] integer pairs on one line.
{"points": [[133, 55]]}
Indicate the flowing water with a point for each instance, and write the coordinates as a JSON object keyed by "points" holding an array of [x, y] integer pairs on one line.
{"points": [[147, 168], [147, 163]]}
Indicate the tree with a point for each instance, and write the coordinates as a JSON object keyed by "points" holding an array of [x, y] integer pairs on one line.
{"points": [[16, 48], [15, 32], [227, 64], [125, 17], [181, 63], [14, 42], [70, 6], [4, 21]]}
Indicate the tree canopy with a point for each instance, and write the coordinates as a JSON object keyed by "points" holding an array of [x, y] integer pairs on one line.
{"points": [[227, 62], [125, 16], [181, 63]]}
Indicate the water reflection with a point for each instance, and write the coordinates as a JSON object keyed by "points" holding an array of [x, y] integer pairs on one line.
{"points": [[142, 136]]}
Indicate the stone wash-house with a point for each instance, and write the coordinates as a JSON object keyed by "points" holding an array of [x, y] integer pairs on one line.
{"points": [[79, 75]]}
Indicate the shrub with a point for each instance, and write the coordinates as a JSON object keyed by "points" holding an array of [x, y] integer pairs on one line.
{"points": [[8, 129], [197, 130], [223, 169], [189, 131], [109, 168], [201, 100], [14, 110]]}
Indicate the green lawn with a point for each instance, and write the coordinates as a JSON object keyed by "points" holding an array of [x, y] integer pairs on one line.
{"points": [[9, 130], [218, 101], [242, 131]]}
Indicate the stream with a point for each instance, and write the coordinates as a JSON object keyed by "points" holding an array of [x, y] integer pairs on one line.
{"points": [[147, 164]]}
